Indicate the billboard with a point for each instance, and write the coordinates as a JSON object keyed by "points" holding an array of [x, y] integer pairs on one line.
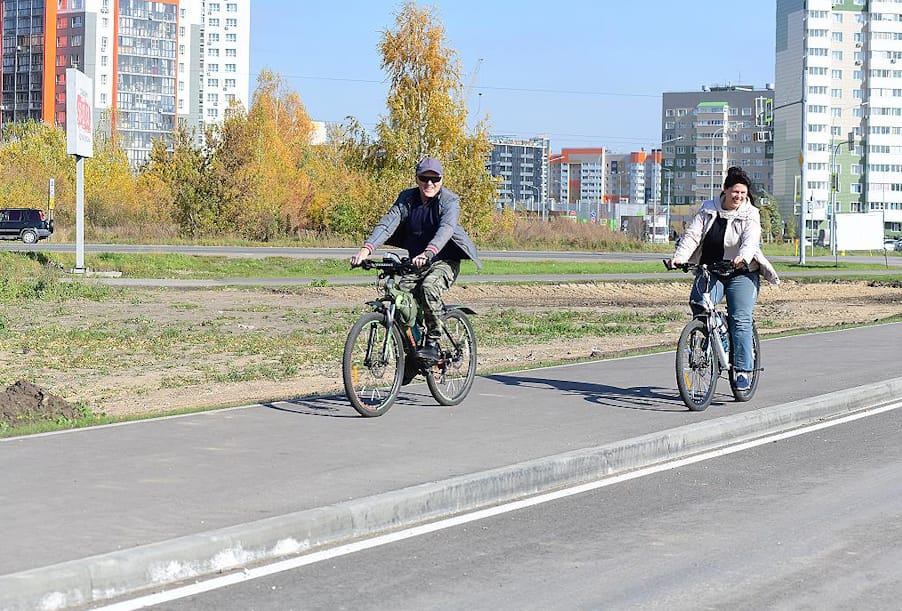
{"points": [[79, 113], [859, 231]]}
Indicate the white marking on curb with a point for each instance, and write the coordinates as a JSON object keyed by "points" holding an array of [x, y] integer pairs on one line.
{"points": [[247, 574]]}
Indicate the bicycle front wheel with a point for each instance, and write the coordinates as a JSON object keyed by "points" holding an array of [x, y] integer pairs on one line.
{"points": [[696, 366], [450, 379], [372, 365], [755, 373]]}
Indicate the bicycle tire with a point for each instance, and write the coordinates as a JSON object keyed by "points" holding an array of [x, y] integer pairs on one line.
{"points": [[371, 383], [697, 368], [755, 373], [451, 378]]}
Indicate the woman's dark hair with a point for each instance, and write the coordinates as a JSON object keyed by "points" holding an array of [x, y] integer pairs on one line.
{"points": [[736, 176]]}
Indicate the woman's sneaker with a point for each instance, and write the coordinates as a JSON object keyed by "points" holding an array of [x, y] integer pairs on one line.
{"points": [[743, 380]]}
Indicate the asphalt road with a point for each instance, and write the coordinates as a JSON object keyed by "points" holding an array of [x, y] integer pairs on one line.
{"points": [[809, 522], [92, 508], [330, 253]]}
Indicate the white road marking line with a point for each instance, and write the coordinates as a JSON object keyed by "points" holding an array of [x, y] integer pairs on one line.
{"points": [[240, 576]]}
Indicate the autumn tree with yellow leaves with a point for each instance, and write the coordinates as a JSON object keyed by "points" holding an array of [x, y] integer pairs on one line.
{"points": [[428, 115]]}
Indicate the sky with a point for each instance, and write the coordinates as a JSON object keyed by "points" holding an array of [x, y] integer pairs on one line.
{"points": [[584, 73]]}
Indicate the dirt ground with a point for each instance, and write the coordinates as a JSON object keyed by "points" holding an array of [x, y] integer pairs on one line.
{"points": [[142, 390]]}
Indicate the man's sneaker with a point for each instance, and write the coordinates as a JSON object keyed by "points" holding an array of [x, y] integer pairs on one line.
{"points": [[743, 380], [430, 352]]}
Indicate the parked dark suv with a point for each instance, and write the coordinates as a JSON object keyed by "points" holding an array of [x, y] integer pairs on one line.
{"points": [[26, 224]]}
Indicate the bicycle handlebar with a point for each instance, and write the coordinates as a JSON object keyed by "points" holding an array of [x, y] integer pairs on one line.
{"points": [[721, 268], [389, 267]]}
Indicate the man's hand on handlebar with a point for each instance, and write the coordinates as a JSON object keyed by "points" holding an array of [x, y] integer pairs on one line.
{"points": [[422, 259], [362, 255]]}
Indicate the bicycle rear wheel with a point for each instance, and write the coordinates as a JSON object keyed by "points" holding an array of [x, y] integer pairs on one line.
{"points": [[372, 365], [450, 379], [755, 373], [696, 366]]}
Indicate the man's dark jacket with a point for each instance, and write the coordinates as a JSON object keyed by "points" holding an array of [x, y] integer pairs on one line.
{"points": [[450, 235]]}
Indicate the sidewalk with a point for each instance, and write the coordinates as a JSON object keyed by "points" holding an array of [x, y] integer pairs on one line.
{"points": [[104, 511]]}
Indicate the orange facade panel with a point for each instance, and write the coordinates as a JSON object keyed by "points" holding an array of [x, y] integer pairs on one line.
{"points": [[48, 92]]}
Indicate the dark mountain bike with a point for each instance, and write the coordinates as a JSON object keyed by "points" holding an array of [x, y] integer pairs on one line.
{"points": [[704, 349], [380, 354]]}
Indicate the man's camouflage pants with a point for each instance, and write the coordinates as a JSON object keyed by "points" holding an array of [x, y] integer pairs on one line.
{"points": [[427, 286]]}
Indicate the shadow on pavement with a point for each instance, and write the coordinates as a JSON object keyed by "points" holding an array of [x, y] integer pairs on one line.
{"points": [[646, 398]]}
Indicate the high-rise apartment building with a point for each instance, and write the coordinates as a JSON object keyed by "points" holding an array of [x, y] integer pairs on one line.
{"points": [[28, 62], [707, 131], [838, 109], [154, 63], [218, 53], [576, 176], [522, 165]]}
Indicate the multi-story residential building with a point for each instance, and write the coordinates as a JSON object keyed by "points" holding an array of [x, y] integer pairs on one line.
{"points": [[707, 131], [219, 53], [522, 165], [576, 176], [28, 63], [153, 63], [632, 194], [837, 109]]}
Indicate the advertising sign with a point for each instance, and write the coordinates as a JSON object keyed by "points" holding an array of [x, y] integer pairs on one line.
{"points": [[79, 114]]}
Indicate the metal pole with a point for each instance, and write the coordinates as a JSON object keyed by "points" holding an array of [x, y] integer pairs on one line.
{"points": [[834, 178], [803, 203], [79, 214], [711, 184]]}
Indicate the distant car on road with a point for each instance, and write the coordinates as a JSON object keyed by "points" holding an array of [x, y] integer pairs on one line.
{"points": [[26, 224], [890, 244]]}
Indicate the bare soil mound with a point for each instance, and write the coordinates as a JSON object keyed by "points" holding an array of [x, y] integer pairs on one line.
{"points": [[24, 403]]}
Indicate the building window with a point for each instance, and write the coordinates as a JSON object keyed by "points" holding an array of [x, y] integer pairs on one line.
{"points": [[231, 37], [837, 56]]}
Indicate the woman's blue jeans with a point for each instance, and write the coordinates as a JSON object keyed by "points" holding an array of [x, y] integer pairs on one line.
{"points": [[741, 291]]}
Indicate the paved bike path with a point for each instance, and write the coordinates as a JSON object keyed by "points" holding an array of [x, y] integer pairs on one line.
{"points": [[68, 496]]}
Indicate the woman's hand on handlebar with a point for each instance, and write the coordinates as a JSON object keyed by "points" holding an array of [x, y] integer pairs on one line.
{"points": [[362, 255], [739, 264]]}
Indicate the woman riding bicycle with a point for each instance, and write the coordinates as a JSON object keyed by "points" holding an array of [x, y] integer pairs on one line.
{"points": [[425, 221], [729, 228]]}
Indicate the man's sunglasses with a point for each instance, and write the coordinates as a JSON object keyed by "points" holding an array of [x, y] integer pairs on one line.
{"points": [[433, 179]]}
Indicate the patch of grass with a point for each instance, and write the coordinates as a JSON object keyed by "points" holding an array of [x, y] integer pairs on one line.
{"points": [[506, 327], [25, 277]]}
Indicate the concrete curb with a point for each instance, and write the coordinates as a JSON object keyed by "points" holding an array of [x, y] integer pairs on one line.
{"points": [[106, 576]]}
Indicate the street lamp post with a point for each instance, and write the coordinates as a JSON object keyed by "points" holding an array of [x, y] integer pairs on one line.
{"points": [[711, 178], [834, 181], [538, 199], [654, 216]]}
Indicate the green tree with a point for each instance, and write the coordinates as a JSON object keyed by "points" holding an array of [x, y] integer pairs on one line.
{"points": [[185, 171], [771, 221], [427, 115], [32, 153]]}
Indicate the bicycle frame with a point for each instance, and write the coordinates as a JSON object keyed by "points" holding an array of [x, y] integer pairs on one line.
{"points": [[711, 316]]}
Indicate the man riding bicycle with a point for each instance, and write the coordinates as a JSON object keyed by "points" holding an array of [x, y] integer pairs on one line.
{"points": [[425, 221], [729, 228]]}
